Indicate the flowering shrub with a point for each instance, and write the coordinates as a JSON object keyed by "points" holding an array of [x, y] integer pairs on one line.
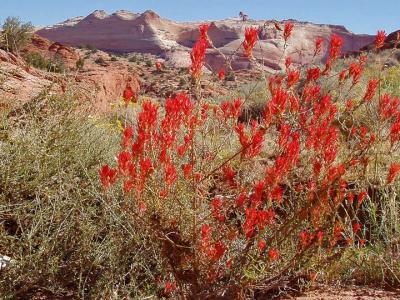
{"points": [[237, 207]]}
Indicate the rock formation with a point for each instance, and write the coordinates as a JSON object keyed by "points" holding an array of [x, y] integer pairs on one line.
{"points": [[125, 32]]}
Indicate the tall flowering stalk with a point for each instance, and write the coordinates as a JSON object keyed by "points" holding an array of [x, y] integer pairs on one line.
{"points": [[250, 39]]}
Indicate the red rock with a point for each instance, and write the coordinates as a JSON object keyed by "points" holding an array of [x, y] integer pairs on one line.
{"points": [[149, 33], [49, 49]]}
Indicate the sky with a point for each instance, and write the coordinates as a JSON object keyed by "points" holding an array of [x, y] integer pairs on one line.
{"points": [[359, 16]]}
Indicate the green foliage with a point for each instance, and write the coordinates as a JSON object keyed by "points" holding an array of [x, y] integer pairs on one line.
{"points": [[54, 221], [80, 63], [15, 34], [133, 59], [36, 60], [149, 63]]}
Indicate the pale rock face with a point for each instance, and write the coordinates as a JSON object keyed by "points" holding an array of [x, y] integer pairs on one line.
{"points": [[124, 31]]}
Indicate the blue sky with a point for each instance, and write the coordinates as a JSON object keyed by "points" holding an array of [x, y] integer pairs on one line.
{"points": [[360, 16]]}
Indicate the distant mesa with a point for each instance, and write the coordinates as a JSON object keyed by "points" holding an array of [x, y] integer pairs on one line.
{"points": [[124, 31]]}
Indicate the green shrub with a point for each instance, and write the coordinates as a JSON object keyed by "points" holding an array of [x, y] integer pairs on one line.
{"points": [[133, 59], [54, 221], [149, 63], [80, 63], [15, 34], [36, 60]]}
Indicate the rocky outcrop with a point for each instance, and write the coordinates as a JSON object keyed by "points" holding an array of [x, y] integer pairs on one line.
{"points": [[50, 49], [18, 83], [125, 31]]}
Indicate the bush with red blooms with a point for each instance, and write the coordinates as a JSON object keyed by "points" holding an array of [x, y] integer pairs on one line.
{"points": [[238, 207]]}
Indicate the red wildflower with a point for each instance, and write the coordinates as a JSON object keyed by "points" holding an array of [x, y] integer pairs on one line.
{"points": [[123, 161], [241, 199], [371, 89], [305, 238], [170, 174], [128, 94], [203, 28], [342, 75], [320, 237], [356, 227], [197, 57], [393, 171], [313, 74], [229, 175], [395, 130], [107, 176], [221, 74], [216, 204], [145, 166], [219, 250], [205, 234], [380, 39], [361, 197], [277, 194], [287, 32], [250, 39], [235, 107], [158, 66], [187, 169], [261, 244], [355, 71], [288, 62], [318, 45], [349, 104], [335, 46], [292, 78], [127, 136], [273, 254], [169, 288], [147, 118], [387, 107]]}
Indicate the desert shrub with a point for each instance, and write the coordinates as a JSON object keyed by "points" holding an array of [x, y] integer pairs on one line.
{"points": [[100, 61], [238, 209], [66, 240], [37, 60], [113, 58], [148, 63], [80, 63], [15, 34], [133, 59]]}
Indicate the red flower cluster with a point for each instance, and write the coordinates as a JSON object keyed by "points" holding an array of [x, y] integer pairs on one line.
{"points": [[221, 74], [250, 39], [335, 47], [318, 46], [287, 32], [128, 94], [198, 53], [371, 89], [231, 109], [107, 176], [380, 39], [393, 172]]}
